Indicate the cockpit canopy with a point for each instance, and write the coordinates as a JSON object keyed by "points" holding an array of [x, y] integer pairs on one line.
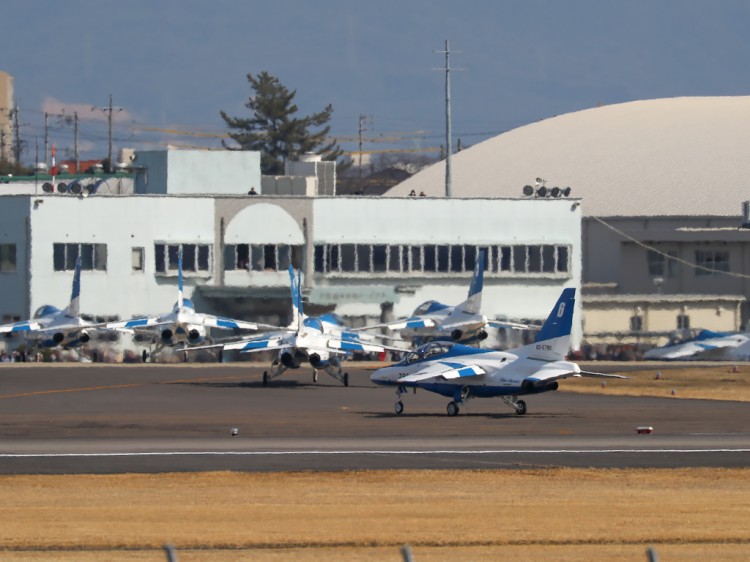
{"points": [[46, 310], [313, 324], [429, 306], [431, 349]]}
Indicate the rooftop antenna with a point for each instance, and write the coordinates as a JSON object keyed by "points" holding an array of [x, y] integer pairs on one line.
{"points": [[108, 110], [448, 148]]}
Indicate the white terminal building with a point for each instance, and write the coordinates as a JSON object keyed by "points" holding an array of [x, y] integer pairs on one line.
{"points": [[366, 259]]}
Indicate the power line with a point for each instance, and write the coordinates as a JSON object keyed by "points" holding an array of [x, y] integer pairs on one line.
{"points": [[669, 256]]}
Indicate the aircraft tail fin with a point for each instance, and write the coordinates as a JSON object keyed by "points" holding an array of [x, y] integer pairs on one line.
{"points": [[473, 302], [180, 297], [74, 307], [296, 288], [553, 340]]}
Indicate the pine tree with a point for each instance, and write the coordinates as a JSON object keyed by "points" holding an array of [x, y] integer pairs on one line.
{"points": [[274, 130]]}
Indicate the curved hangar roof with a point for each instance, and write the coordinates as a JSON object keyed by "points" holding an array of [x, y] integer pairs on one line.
{"points": [[677, 156]]}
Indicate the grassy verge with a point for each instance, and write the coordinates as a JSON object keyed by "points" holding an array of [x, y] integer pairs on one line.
{"points": [[550, 514], [726, 382]]}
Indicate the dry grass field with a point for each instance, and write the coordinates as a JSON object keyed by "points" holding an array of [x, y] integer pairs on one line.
{"points": [[711, 382], [550, 514]]}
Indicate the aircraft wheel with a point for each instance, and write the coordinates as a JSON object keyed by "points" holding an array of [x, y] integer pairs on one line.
{"points": [[452, 409], [144, 356], [399, 408], [315, 376], [265, 378], [346, 379], [520, 407]]}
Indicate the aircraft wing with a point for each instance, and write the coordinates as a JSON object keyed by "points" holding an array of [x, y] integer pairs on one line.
{"points": [[403, 324], [274, 342], [225, 323], [23, 326], [511, 325], [349, 346], [445, 370], [130, 326]]}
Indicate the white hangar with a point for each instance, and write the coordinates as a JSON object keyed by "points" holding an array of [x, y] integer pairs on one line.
{"points": [[662, 184], [364, 258]]}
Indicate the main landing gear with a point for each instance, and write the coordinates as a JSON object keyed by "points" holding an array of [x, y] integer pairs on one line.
{"points": [[518, 405]]}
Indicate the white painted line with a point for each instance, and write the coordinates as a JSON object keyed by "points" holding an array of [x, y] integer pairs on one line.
{"points": [[368, 452]]}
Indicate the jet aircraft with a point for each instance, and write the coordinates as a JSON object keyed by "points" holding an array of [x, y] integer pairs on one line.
{"points": [[182, 325], [461, 372], [462, 323], [706, 345], [319, 340], [52, 327]]}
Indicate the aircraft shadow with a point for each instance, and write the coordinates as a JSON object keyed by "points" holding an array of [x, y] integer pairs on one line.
{"points": [[490, 415]]}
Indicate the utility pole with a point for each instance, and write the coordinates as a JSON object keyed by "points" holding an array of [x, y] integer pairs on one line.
{"points": [[46, 135], [448, 148], [362, 129], [108, 110], [75, 140], [16, 132]]}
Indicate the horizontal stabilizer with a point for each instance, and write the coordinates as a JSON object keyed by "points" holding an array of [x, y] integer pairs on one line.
{"points": [[258, 344]]}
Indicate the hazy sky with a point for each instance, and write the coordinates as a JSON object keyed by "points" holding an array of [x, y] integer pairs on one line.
{"points": [[174, 65]]}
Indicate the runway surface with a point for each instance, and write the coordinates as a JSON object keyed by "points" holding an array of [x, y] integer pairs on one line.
{"points": [[118, 418]]}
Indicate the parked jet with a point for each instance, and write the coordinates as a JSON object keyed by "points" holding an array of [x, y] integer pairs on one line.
{"points": [[706, 345], [182, 325], [52, 327], [463, 323], [461, 372], [322, 341]]}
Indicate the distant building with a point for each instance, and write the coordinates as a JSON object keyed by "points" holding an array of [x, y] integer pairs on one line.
{"points": [[364, 258], [6, 105]]}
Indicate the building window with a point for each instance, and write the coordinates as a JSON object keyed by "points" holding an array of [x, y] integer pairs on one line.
{"points": [[262, 257], [711, 262], [196, 258], [93, 256], [661, 264], [528, 260], [7, 258], [636, 323], [137, 259]]}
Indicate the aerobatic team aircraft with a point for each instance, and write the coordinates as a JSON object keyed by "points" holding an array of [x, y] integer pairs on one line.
{"points": [[320, 341], [52, 327], [462, 323], [461, 372], [181, 326], [706, 345]]}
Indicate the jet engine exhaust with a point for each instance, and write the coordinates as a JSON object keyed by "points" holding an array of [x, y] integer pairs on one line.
{"points": [[287, 359]]}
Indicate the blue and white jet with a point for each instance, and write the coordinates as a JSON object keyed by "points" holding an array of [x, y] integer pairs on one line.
{"points": [[182, 326], [461, 372], [52, 327], [320, 341], [464, 323], [706, 345]]}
